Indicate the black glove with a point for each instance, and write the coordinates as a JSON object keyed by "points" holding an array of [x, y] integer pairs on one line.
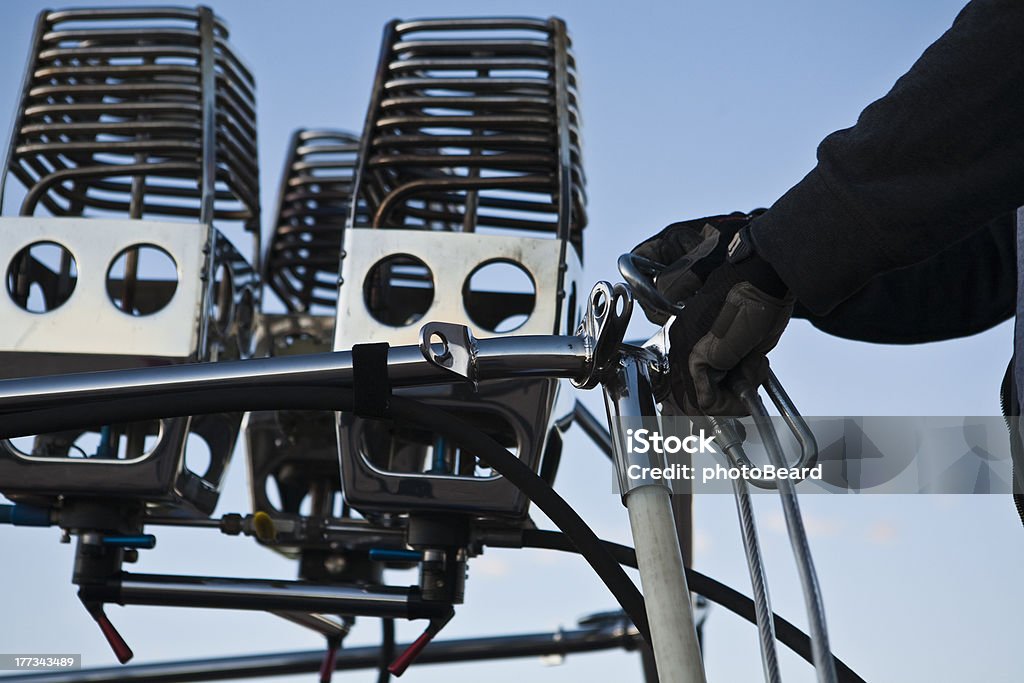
{"points": [[688, 252], [725, 330]]}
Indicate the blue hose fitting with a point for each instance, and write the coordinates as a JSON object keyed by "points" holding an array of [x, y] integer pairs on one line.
{"points": [[395, 555], [143, 541], [25, 515]]}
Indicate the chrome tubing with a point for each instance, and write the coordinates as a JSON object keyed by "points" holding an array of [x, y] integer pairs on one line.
{"points": [[733, 447], [260, 594], [824, 665], [758, 582], [498, 358], [628, 394], [486, 648], [796, 423]]}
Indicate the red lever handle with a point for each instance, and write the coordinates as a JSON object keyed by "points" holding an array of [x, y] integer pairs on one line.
{"points": [[403, 660], [330, 657], [117, 643]]}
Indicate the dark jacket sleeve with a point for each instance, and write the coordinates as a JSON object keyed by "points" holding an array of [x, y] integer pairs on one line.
{"points": [[941, 154], [964, 289]]}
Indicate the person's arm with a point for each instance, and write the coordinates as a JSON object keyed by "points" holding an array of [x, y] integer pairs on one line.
{"points": [[939, 155], [963, 290]]}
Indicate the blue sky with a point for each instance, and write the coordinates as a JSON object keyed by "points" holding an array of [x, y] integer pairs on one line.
{"points": [[689, 108]]}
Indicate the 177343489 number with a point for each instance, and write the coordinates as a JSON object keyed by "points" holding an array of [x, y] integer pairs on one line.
{"points": [[36, 662]]}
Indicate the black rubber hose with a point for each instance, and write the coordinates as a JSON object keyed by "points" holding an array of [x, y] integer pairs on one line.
{"points": [[715, 591], [306, 397], [387, 650], [583, 538]]}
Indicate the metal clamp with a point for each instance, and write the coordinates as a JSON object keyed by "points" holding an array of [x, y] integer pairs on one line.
{"points": [[451, 347], [603, 327]]}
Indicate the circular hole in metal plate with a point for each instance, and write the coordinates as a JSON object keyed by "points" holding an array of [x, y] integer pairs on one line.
{"points": [[499, 295], [398, 290], [142, 280], [41, 277]]}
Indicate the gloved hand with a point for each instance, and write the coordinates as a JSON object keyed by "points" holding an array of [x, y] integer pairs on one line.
{"points": [[725, 331], [688, 252]]}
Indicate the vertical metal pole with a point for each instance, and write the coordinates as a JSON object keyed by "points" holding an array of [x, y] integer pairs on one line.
{"points": [[682, 500], [628, 394], [560, 43], [359, 179], [208, 170], [135, 211], [208, 179], [469, 217], [282, 192], [19, 110]]}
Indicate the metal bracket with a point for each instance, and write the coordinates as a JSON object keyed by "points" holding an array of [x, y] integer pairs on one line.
{"points": [[450, 346], [604, 325]]}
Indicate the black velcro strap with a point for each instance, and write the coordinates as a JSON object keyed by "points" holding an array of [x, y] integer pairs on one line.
{"points": [[370, 382]]}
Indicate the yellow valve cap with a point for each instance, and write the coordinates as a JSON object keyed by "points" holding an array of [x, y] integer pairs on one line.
{"points": [[263, 527]]}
